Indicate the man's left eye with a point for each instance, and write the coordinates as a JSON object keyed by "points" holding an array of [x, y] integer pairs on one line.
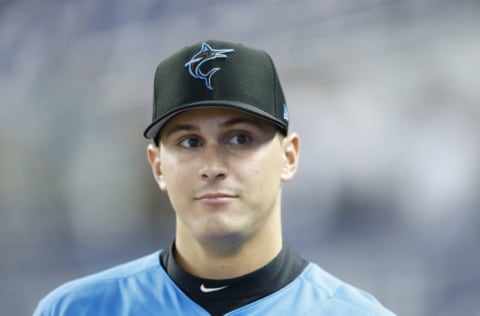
{"points": [[240, 139]]}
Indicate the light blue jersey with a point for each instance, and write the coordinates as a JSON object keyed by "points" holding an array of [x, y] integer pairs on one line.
{"points": [[142, 287]]}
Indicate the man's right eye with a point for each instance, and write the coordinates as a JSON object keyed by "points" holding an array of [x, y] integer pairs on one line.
{"points": [[190, 142]]}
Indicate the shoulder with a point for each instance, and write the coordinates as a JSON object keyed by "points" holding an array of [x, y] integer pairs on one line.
{"points": [[336, 296], [316, 292], [96, 289]]}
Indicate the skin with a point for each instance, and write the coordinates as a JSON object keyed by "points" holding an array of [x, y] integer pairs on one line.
{"points": [[223, 171]]}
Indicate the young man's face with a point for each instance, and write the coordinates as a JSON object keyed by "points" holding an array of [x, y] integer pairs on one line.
{"points": [[222, 170]]}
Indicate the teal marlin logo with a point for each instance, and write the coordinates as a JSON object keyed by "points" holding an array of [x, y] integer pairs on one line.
{"points": [[205, 54]]}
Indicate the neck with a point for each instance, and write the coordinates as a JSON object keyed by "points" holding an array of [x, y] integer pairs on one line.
{"points": [[228, 257]]}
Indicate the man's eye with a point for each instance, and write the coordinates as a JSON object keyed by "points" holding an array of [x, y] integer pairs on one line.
{"points": [[240, 139], [190, 142]]}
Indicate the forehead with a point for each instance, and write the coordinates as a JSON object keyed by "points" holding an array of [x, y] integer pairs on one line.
{"points": [[214, 115]]}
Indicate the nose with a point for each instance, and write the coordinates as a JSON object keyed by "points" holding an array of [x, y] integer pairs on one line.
{"points": [[214, 167]]}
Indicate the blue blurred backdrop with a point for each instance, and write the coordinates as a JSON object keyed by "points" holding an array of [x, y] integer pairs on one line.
{"points": [[385, 95]]}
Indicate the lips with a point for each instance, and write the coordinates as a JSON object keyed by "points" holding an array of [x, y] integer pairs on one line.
{"points": [[215, 197]]}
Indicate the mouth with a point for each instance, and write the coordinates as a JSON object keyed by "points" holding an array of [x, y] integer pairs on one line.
{"points": [[216, 198]]}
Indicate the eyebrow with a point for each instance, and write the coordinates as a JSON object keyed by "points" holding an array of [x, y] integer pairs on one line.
{"points": [[181, 127], [228, 123], [241, 120]]}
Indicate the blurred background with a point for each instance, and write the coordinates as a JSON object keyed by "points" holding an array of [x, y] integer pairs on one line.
{"points": [[385, 95]]}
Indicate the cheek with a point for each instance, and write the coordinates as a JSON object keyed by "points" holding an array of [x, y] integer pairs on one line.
{"points": [[263, 171], [175, 177], [178, 187], [172, 175]]}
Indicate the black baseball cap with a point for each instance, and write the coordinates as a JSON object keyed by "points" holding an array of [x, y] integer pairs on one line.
{"points": [[217, 74]]}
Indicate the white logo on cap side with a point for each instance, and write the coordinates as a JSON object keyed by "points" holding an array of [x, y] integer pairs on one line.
{"points": [[285, 112]]}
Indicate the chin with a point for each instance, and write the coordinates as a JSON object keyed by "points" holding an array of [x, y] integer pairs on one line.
{"points": [[223, 232]]}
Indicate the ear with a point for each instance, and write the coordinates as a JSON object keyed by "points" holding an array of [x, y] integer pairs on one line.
{"points": [[153, 156], [291, 152]]}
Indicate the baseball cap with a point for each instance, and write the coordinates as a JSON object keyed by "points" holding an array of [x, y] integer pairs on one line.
{"points": [[217, 74]]}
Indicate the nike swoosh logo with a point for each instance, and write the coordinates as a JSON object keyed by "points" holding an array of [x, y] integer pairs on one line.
{"points": [[205, 289]]}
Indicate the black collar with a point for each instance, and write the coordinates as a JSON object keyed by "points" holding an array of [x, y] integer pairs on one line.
{"points": [[221, 296]]}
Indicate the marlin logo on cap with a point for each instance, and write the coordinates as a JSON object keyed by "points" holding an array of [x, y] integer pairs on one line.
{"points": [[205, 54]]}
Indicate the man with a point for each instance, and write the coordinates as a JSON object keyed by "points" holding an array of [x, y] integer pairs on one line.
{"points": [[221, 150]]}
